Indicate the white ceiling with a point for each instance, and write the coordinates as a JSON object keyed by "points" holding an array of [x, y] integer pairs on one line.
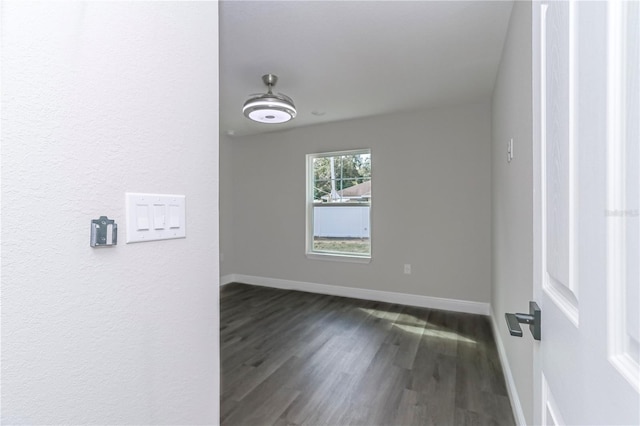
{"points": [[350, 59]]}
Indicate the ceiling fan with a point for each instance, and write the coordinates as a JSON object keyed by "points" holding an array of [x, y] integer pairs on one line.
{"points": [[268, 107]]}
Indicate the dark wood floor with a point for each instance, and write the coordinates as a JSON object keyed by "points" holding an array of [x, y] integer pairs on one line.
{"points": [[294, 358]]}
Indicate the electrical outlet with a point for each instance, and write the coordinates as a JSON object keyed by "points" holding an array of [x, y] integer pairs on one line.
{"points": [[407, 269]]}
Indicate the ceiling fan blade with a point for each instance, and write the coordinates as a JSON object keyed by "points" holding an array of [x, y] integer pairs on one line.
{"points": [[286, 97]]}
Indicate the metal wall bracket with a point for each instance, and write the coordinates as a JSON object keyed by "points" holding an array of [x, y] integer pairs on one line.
{"points": [[104, 232], [534, 319]]}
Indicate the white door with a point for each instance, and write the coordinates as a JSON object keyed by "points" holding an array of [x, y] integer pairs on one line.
{"points": [[586, 67]]}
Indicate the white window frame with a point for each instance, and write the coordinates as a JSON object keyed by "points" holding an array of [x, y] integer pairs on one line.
{"points": [[340, 257]]}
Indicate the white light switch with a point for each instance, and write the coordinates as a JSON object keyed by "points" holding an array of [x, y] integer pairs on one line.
{"points": [[158, 216], [153, 217], [510, 150], [142, 217], [174, 216]]}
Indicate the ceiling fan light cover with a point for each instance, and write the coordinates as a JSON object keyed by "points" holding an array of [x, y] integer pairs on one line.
{"points": [[270, 108]]}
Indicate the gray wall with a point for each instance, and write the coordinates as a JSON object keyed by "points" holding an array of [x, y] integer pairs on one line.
{"points": [[431, 203], [227, 246], [99, 99], [512, 200]]}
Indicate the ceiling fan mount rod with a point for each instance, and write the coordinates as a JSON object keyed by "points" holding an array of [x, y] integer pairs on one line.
{"points": [[270, 80]]}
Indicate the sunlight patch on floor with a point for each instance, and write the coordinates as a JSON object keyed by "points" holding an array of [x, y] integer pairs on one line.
{"points": [[375, 312], [434, 333], [449, 335]]}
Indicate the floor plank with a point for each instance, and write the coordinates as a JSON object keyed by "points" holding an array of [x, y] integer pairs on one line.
{"points": [[294, 358]]}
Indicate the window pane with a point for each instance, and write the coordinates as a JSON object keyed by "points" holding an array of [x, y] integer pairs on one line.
{"points": [[322, 190], [321, 170], [342, 178], [341, 229]]}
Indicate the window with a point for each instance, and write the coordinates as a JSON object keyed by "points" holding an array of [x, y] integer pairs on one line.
{"points": [[339, 204]]}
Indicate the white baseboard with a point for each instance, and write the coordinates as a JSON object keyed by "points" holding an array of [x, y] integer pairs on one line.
{"points": [[228, 279], [366, 294], [518, 414]]}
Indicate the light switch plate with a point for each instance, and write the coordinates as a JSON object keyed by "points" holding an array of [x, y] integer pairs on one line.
{"points": [[152, 217]]}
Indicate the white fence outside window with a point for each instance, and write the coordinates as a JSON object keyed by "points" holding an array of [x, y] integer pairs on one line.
{"points": [[341, 221]]}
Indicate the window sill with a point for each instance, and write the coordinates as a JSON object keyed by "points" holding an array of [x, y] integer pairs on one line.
{"points": [[338, 258]]}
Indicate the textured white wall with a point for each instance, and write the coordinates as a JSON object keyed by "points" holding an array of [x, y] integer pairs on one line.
{"points": [[512, 189], [101, 98], [431, 202]]}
